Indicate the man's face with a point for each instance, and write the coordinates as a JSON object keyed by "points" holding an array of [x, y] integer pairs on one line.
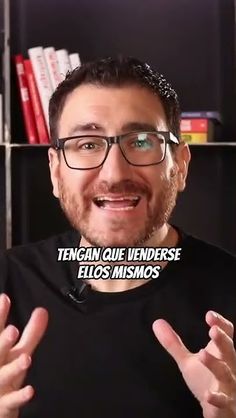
{"points": [[116, 204]]}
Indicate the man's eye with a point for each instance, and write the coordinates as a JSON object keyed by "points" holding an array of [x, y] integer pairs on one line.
{"points": [[142, 143], [88, 145]]}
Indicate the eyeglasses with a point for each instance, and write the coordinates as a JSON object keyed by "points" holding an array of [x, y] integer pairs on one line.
{"points": [[85, 152]]}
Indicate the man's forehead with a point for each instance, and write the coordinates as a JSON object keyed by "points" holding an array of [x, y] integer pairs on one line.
{"points": [[99, 127], [94, 95], [98, 105]]}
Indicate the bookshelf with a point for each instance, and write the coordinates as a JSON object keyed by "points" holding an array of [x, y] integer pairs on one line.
{"points": [[207, 208]]}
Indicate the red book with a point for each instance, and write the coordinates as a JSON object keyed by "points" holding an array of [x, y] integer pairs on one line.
{"points": [[36, 103], [194, 125], [29, 120]]}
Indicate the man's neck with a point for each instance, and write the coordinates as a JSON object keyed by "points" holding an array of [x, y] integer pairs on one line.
{"points": [[167, 236]]}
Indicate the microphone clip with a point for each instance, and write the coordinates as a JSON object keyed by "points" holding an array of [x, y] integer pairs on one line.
{"points": [[78, 296]]}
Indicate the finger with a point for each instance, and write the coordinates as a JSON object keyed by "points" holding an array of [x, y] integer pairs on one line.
{"points": [[5, 304], [12, 374], [170, 341], [224, 344], [32, 333], [218, 367], [8, 338], [218, 399], [214, 318], [14, 400]]}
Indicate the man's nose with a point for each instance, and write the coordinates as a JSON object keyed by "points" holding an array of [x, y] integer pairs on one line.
{"points": [[116, 167]]}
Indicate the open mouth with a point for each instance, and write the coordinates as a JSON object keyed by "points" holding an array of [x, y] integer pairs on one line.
{"points": [[128, 202]]}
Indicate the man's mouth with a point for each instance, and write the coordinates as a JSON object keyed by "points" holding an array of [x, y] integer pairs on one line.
{"points": [[118, 203]]}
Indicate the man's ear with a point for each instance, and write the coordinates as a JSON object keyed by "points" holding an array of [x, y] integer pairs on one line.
{"points": [[54, 163], [182, 158]]}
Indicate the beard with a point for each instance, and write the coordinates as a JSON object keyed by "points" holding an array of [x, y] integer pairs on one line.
{"points": [[78, 211]]}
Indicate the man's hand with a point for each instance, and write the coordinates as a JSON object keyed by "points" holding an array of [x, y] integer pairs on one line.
{"points": [[15, 358], [211, 373]]}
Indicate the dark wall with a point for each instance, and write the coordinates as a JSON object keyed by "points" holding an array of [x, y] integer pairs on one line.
{"points": [[36, 213], [206, 209], [191, 42]]}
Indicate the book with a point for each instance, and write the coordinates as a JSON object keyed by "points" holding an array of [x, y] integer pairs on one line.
{"points": [[209, 114], [194, 125], [1, 120], [52, 64], [74, 60], [1, 99], [26, 105], [200, 125], [42, 78], [63, 62], [36, 104], [194, 137]]}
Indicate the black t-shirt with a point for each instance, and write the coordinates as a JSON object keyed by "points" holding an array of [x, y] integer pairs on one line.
{"points": [[100, 359]]}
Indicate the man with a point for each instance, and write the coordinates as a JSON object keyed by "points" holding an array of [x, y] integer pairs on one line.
{"points": [[108, 346]]}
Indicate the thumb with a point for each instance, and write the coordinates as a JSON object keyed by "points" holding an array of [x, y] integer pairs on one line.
{"points": [[170, 341]]}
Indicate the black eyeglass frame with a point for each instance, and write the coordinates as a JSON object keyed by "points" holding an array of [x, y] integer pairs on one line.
{"points": [[59, 144]]}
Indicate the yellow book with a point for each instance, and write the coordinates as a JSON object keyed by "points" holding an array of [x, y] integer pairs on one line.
{"points": [[194, 137]]}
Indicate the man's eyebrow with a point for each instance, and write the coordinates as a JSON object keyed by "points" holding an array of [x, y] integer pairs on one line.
{"points": [[127, 127], [84, 127], [138, 126]]}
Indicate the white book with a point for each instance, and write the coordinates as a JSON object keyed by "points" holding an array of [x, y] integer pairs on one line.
{"points": [[63, 62], [74, 60], [42, 78], [53, 68], [1, 120]]}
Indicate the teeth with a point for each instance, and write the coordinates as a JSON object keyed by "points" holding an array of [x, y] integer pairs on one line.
{"points": [[118, 203], [114, 199]]}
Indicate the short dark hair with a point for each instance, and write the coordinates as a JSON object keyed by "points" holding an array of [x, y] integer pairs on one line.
{"points": [[116, 72]]}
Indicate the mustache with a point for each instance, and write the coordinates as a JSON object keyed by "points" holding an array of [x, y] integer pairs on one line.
{"points": [[122, 187]]}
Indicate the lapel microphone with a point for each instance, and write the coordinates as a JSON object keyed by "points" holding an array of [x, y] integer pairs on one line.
{"points": [[78, 295]]}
